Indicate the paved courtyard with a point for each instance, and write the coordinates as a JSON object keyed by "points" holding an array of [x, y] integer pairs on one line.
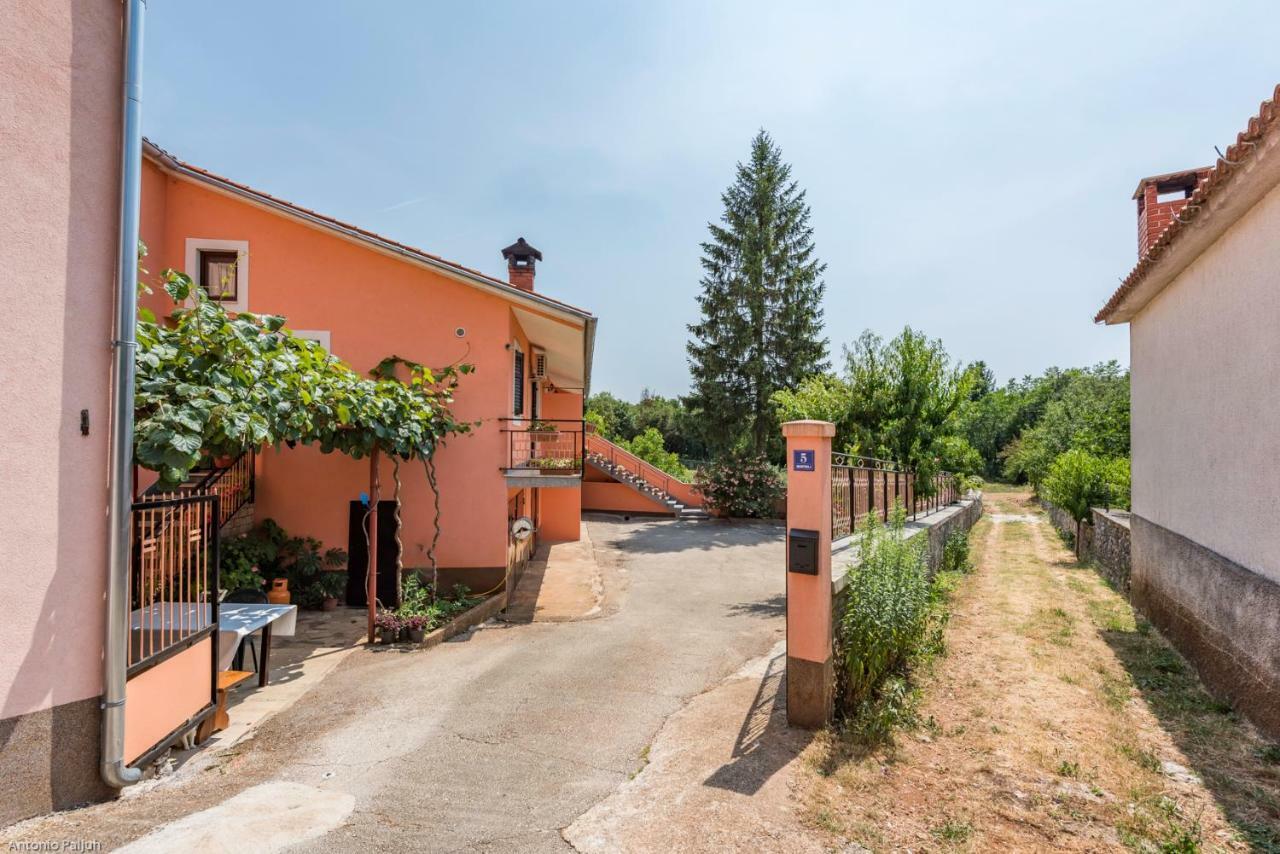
{"points": [[496, 740]]}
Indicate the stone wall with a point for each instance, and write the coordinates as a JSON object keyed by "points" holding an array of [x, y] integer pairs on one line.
{"points": [[1222, 616], [939, 533], [239, 524], [936, 527], [1105, 539]]}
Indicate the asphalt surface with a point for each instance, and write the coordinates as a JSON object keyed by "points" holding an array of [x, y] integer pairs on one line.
{"points": [[500, 738]]}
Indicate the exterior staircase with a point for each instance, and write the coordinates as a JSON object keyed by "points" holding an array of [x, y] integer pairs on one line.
{"points": [[233, 483], [648, 480]]}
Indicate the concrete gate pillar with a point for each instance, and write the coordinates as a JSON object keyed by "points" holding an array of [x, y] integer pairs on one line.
{"points": [[810, 668]]}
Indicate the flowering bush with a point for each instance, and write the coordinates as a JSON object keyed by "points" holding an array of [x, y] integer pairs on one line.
{"points": [[741, 484]]}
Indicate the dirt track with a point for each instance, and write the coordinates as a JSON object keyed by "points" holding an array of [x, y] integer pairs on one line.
{"points": [[1054, 722]]}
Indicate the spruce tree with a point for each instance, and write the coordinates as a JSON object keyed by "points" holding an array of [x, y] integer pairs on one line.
{"points": [[761, 302]]}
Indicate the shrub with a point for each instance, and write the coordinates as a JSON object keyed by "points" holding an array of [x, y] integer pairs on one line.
{"points": [[268, 549], [886, 611], [421, 608], [1078, 481], [742, 485], [1118, 482], [955, 553]]}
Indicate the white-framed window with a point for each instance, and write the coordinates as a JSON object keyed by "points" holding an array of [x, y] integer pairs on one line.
{"points": [[320, 336], [221, 267]]}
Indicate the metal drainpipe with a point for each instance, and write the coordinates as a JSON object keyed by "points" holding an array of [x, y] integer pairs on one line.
{"points": [[115, 667]]}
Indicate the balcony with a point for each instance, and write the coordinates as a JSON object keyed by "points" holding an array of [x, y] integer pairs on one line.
{"points": [[543, 452]]}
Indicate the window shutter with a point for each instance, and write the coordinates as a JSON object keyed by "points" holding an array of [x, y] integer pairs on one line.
{"points": [[518, 397]]}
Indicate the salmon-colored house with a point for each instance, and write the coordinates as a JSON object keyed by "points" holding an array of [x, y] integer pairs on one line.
{"points": [[110, 649], [365, 297]]}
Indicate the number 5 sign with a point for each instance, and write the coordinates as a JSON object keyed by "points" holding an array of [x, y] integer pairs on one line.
{"points": [[802, 460]]}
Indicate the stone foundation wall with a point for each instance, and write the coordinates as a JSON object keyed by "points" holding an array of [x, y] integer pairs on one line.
{"points": [[239, 524], [936, 527], [49, 760], [1223, 617], [941, 532], [1105, 539]]}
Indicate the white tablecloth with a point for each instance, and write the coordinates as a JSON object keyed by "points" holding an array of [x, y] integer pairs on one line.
{"points": [[235, 621]]}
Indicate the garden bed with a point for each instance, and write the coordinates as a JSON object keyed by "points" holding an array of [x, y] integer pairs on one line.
{"points": [[464, 621]]}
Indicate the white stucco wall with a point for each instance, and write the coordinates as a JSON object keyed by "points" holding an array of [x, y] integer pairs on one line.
{"points": [[1206, 397], [60, 67]]}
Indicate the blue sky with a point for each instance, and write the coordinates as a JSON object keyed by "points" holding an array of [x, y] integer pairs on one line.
{"points": [[969, 165]]}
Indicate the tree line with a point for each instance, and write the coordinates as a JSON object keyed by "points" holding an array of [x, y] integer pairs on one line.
{"points": [[758, 357]]}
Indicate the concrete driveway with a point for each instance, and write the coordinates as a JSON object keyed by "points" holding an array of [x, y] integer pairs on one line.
{"points": [[502, 737]]}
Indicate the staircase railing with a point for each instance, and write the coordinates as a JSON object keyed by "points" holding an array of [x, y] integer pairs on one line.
{"points": [[655, 477], [234, 485]]}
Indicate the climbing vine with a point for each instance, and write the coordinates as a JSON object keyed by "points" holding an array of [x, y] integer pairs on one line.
{"points": [[213, 383]]}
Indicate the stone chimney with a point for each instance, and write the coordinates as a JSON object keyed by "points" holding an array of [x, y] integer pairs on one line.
{"points": [[520, 260], [1160, 198]]}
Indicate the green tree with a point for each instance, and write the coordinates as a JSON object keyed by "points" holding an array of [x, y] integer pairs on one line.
{"points": [[648, 446], [761, 324], [906, 395], [1086, 409], [821, 397], [614, 416], [1076, 482]]}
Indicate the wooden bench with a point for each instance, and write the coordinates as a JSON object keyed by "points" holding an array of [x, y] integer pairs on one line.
{"points": [[220, 720]]}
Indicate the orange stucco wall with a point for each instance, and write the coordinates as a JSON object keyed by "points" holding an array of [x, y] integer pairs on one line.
{"points": [[373, 305], [60, 79], [159, 700], [562, 506], [613, 497]]}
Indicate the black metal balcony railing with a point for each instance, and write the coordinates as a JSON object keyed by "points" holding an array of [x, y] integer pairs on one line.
{"points": [[550, 446]]}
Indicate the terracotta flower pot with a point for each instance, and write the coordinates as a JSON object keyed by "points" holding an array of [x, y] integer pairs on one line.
{"points": [[330, 603], [279, 592]]}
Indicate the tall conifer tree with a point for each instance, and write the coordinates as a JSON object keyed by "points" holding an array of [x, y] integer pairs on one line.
{"points": [[761, 326]]}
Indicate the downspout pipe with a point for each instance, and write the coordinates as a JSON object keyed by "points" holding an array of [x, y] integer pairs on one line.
{"points": [[123, 343]]}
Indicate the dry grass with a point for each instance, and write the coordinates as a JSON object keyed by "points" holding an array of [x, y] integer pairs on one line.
{"points": [[1057, 721]]}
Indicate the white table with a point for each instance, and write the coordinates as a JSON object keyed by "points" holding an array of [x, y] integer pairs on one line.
{"points": [[236, 621]]}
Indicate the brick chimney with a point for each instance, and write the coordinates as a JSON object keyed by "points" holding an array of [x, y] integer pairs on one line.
{"points": [[520, 260], [1160, 198]]}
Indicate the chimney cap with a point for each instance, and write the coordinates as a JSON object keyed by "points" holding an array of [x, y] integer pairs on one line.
{"points": [[521, 251], [1184, 179]]}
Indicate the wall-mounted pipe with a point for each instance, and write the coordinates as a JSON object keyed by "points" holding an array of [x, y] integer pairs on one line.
{"points": [[115, 667]]}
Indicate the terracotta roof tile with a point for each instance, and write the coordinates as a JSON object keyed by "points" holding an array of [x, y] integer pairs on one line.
{"points": [[1217, 182]]}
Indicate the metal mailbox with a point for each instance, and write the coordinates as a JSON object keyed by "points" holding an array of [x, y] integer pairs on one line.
{"points": [[802, 551]]}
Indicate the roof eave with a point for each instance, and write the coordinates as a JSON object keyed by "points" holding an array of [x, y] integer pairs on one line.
{"points": [[1237, 182], [508, 292]]}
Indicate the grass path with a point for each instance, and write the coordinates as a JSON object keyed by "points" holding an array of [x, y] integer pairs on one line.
{"points": [[1055, 722]]}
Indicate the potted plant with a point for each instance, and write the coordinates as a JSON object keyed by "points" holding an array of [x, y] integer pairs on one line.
{"points": [[388, 625], [554, 465], [330, 586], [415, 627], [544, 430]]}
